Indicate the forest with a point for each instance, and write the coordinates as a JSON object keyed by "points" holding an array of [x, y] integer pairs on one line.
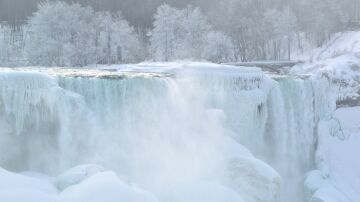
{"points": [[87, 32]]}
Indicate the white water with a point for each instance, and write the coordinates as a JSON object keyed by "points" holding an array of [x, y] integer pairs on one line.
{"points": [[168, 133]]}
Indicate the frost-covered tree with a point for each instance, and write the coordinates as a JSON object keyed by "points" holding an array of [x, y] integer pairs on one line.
{"points": [[218, 48], [4, 45], [60, 35], [165, 36], [194, 29], [12, 41], [179, 34], [282, 26], [117, 41], [259, 29]]}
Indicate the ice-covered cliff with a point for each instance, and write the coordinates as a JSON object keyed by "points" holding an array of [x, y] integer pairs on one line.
{"points": [[339, 61], [336, 177], [194, 132]]}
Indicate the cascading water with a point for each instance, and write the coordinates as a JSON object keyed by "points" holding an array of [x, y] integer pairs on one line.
{"points": [[169, 131]]}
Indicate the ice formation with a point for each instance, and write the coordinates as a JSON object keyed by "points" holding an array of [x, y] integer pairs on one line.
{"points": [[182, 133], [338, 60]]}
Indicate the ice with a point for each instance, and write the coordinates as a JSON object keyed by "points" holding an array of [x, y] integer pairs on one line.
{"points": [[76, 175], [37, 115], [10, 181], [339, 61], [105, 186], [338, 139], [205, 192], [249, 175], [334, 177], [225, 130]]}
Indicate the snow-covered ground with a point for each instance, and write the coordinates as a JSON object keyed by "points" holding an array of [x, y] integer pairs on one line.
{"points": [[83, 183], [338, 60], [336, 177]]}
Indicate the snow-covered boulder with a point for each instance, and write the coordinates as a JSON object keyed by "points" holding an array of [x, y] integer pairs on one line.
{"points": [[99, 186], [105, 186], [253, 179], [313, 182], [76, 175]]}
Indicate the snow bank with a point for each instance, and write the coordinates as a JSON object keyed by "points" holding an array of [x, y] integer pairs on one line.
{"points": [[76, 175], [20, 188], [11, 181], [108, 186], [103, 186], [339, 61], [347, 43], [338, 178]]}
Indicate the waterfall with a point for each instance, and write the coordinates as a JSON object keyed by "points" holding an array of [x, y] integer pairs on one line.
{"points": [[229, 126]]}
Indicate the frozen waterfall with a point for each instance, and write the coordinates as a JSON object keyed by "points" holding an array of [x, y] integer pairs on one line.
{"points": [[172, 131]]}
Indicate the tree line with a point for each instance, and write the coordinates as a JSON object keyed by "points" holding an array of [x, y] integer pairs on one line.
{"points": [[73, 34]]}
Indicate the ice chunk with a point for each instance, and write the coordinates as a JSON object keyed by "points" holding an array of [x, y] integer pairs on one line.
{"points": [[105, 186], [254, 180], [76, 175]]}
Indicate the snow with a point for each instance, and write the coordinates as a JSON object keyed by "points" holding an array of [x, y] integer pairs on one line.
{"points": [[264, 180], [346, 43], [107, 186], [335, 176], [338, 178], [103, 186], [76, 175], [205, 192], [348, 118], [11, 181], [145, 69], [338, 60]]}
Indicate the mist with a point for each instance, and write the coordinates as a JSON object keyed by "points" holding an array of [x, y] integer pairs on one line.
{"points": [[179, 100]]}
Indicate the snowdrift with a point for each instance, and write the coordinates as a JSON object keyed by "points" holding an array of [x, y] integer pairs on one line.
{"points": [[337, 177]]}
